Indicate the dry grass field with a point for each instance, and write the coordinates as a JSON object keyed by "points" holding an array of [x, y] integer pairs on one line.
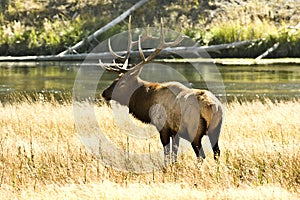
{"points": [[42, 156]]}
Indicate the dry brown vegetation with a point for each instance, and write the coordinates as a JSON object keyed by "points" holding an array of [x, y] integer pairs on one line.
{"points": [[42, 156]]}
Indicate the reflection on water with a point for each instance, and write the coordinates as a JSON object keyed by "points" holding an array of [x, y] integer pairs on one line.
{"points": [[36, 78], [281, 82], [241, 82]]}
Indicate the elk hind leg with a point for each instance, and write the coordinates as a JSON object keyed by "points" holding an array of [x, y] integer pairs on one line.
{"points": [[196, 142], [214, 139]]}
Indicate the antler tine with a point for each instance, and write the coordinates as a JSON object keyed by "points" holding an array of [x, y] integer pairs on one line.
{"points": [[162, 34], [141, 50], [102, 65], [122, 58], [129, 47], [162, 45], [116, 56], [129, 43], [112, 67], [144, 36]]}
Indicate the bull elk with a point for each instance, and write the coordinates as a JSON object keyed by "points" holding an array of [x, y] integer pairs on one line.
{"points": [[175, 110]]}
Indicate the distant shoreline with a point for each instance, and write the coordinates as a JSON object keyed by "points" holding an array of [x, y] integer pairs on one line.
{"points": [[237, 61]]}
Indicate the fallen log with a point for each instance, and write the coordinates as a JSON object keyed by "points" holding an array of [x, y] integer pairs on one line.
{"points": [[189, 52]]}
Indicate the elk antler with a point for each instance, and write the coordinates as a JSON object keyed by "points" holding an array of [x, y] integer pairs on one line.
{"points": [[162, 45], [121, 68]]}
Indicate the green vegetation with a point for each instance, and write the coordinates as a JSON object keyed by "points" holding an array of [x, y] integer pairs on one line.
{"points": [[41, 27], [38, 27], [264, 36]]}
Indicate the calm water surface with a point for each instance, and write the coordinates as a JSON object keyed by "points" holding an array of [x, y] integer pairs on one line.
{"points": [[241, 82]]}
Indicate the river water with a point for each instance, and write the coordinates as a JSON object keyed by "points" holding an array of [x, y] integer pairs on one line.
{"points": [[227, 82]]}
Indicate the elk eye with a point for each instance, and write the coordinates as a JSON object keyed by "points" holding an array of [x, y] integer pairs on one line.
{"points": [[122, 84]]}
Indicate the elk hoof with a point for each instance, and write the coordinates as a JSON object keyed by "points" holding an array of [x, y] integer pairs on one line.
{"points": [[199, 162]]}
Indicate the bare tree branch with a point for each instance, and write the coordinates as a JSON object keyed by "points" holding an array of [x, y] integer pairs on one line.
{"points": [[103, 29]]}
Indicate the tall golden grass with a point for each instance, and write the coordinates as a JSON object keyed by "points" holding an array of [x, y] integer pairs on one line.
{"points": [[42, 156]]}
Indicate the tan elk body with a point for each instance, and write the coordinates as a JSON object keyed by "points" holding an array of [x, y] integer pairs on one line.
{"points": [[175, 110]]}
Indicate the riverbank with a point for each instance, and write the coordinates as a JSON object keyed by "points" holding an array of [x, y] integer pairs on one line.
{"points": [[236, 61], [32, 60], [42, 156], [49, 27]]}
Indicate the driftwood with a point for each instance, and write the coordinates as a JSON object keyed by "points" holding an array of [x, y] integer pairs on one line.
{"points": [[104, 28], [270, 50], [215, 48]]}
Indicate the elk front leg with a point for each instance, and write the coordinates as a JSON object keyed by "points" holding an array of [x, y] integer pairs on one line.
{"points": [[216, 151], [197, 146], [175, 146], [165, 140]]}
